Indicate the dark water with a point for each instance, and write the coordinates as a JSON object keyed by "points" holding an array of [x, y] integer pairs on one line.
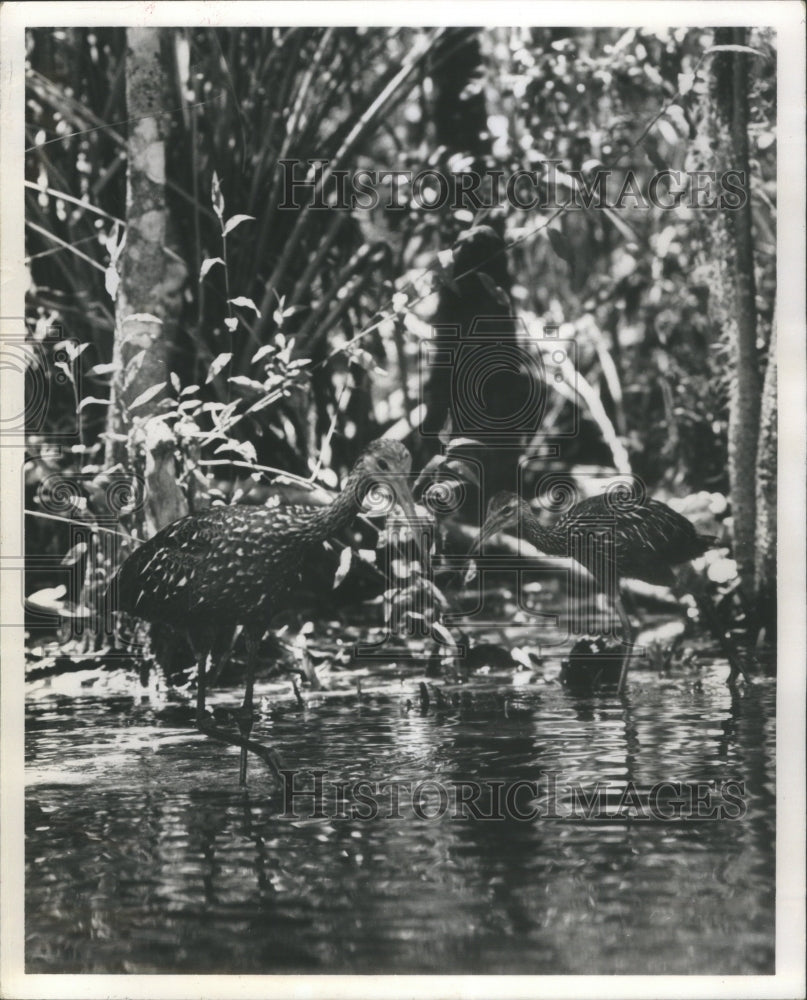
{"points": [[144, 856]]}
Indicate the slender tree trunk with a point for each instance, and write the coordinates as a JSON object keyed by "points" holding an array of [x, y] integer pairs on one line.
{"points": [[745, 388], [148, 296], [729, 254], [766, 497]]}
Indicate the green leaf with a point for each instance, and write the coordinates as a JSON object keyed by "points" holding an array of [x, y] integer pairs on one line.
{"points": [[262, 352], [465, 470], [400, 569], [734, 48], [134, 365], [234, 221], [73, 556], [668, 133], [462, 442], [71, 348], [243, 382], [91, 401], [247, 450], [363, 358], [207, 265], [676, 115], [217, 197], [345, 560], [111, 281], [147, 394], [217, 364], [245, 303], [49, 599]]}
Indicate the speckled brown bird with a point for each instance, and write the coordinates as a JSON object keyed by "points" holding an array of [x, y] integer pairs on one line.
{"points": [[612, 536], [208, 572]]}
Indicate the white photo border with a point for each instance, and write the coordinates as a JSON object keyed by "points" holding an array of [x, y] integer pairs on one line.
{"points": [[788, 17]]}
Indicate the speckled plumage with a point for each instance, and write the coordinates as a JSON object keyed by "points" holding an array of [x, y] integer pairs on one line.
{"points": [[239, 564], [641, 540], [208, 572], [612, 537], [229, 562]]}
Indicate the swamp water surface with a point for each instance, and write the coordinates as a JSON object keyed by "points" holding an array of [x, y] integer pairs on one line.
{"points": [[144, 856]]}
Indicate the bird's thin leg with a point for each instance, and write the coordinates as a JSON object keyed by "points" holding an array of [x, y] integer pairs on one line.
{"points": [[266, 754], [224, 657], [712, 621], [202, 653], [730, 651], [627, 638], [246, 715]]}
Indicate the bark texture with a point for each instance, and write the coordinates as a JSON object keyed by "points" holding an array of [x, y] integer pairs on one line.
{"points": [[767, 497], [729, 257], [151, 280]]}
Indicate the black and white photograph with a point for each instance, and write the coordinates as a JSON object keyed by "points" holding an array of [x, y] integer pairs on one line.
{"points": [[402, 435]]}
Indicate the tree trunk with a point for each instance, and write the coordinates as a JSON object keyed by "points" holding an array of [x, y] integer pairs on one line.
{"points": [[148, 296], [728, 253], [766, 498]]}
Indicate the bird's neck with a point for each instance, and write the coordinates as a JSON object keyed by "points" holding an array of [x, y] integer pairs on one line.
{"points": [[546, 540], [337, 515]]}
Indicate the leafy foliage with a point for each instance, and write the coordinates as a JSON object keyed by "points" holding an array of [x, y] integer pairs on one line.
{"points": [[302, 329]]}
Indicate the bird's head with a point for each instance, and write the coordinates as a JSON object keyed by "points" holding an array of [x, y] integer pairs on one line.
{"points": [[504, 510], [383, 469], [384, 457]]}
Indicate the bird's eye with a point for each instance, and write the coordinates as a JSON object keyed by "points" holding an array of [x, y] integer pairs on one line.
{"points": [[383, 464]]}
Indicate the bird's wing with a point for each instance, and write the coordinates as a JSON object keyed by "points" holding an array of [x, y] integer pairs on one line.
{"points": [[240, 557], [628, 540], [165, 573], [651, 539]]}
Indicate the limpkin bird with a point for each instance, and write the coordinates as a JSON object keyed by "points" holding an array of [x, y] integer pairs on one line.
{"points": [[610, 536], [227, 566]]}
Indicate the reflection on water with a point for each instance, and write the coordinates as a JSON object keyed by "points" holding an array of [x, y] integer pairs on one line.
{"points": [[144, 856]]}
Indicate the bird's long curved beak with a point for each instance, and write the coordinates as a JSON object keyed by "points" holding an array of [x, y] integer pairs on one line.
{"points": [[403, 496], [488, 529]]}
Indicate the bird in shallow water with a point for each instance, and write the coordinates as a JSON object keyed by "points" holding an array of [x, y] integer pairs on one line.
{"points": [[227, 566], [612, 536]]}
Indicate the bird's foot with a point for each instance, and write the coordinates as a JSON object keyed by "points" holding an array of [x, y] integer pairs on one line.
{"points": [[738, 668], [270, 757]]}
